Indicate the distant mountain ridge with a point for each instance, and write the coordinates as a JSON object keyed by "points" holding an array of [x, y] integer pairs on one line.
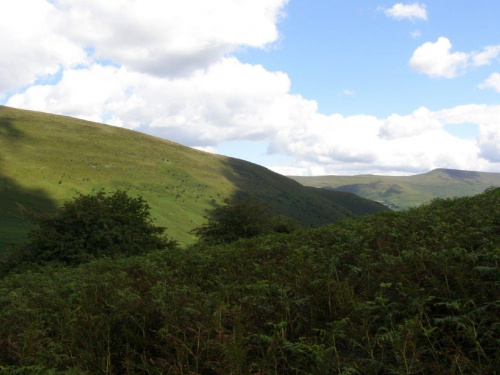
{"points": [[401, 192], [47, 159]]}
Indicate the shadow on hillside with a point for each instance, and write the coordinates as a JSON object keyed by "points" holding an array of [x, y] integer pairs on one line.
{"points": [[257, 181], [7, 128], [16, 202], [286, 196], [312, 207]]}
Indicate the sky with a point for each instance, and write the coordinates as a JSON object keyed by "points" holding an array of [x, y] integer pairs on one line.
{"points": [[303, 87]]}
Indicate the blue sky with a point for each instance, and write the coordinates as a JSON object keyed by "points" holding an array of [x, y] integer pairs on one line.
{"points": [[330, 48], [301, 87]]}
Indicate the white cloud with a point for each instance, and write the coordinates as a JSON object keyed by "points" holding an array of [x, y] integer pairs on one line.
{"points": [[412, 12], [487, 117], [436, 60], [88, 93], [159, 37], [398, 144], [493, 81], [489, 143], [30, 48], [420, 121], [485, 57], [169, 38], [228, 101], [365, 144]]}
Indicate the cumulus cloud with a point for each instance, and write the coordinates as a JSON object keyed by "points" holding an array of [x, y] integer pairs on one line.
{"points": [[487, 117], [163, 38], [168, 38], [437, 60], [489, 143], [397, 144], [88, 93], [228, 101], [30, 48], [480, 114], [493, 81], [412, 12], [420, 121]]}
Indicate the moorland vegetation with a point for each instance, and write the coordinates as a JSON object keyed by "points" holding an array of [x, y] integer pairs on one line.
{"points": [[410, 292]]}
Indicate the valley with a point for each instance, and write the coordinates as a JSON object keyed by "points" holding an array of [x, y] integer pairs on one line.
{"points": [[402, 192]]}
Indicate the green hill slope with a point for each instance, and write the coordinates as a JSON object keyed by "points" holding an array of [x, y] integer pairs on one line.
{"points": [[47, 159], [401, 192]]}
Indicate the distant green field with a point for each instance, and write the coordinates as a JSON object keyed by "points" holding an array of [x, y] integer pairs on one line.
{"points": [[48, 159], [401, 192]]}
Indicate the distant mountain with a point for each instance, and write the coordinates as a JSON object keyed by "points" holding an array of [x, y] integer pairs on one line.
{"points": [[47, 159], [401, 192]]}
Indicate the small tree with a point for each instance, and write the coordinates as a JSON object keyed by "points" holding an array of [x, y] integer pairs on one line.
{"points": [[242, 218], [93, 226]]}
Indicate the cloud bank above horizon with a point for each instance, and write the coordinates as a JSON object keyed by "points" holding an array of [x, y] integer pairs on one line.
{"points": [[170, 69]]}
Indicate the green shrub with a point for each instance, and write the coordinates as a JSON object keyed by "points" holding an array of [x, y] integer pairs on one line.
{"points": [[93, 226], [242, 218]]}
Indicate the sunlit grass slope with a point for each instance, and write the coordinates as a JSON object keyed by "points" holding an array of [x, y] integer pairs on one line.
{"points": [[401, 192], [47, 159]]}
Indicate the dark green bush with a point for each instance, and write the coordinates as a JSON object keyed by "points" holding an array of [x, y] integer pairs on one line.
{"points": [[93, 226], [242, 218]]}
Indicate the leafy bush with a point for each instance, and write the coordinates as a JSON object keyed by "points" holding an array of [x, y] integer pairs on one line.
{"points": [[93, 226], [242, 218]]}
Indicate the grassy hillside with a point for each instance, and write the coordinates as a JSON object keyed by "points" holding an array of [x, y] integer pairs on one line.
{"points": [[47, 159], [401, 192], [411, 292]]}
